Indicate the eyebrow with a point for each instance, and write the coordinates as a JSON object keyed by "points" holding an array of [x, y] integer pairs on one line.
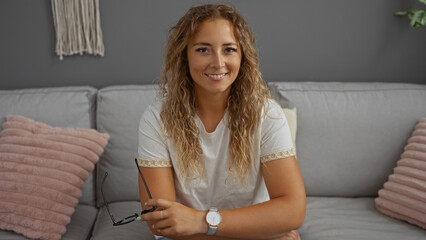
{"points": [[208, 44]]}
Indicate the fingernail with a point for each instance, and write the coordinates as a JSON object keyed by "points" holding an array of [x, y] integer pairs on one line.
{"points": [[146, 203], [153, 226], [138, 218]]}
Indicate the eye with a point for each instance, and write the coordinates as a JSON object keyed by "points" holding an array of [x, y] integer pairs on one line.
{"points": [[202, 50], [231, 50]]}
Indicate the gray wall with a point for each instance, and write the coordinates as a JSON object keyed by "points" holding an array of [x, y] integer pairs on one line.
{"points": [[298, 40]]}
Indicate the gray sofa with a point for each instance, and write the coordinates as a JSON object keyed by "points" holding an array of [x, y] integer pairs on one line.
{"points": [[349, 137]]}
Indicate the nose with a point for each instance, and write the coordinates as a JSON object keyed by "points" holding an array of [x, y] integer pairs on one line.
{"points": [[218, 60]]}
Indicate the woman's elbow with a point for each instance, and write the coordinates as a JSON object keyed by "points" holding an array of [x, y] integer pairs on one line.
{"points": [[300, 212], [297, 216], [293, 222]]}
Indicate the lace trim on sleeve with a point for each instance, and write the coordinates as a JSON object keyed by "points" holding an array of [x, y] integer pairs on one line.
{"points": [[278, 155], [154, 162]]}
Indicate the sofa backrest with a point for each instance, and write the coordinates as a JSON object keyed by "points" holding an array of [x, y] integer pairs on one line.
{"points": [[350, 135], [119, 109], [66, 107]]}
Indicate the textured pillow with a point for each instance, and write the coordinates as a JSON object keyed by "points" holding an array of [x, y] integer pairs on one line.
{"points": [[404, 194], [42, 173]]}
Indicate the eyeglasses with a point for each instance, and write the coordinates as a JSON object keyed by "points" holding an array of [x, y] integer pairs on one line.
{"points": [[133, 217]]}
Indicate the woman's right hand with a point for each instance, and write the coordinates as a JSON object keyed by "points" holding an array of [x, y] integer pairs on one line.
{"points": [[174, 219]]}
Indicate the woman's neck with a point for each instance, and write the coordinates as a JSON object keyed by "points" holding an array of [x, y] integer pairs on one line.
{"points": [[211, 109]]}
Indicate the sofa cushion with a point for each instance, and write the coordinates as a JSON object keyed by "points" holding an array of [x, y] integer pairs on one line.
{"points": [[118, 114], [404, 195], [42, 172], [60, 106], [330, 218], [350, 135], [104, 230], [81, 224]]}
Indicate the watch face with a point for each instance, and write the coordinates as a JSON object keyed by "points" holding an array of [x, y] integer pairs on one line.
{"points": [[213, 218]]}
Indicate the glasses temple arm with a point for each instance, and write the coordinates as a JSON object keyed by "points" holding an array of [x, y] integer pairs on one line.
{"points": [[105, 202], [143, 179]]}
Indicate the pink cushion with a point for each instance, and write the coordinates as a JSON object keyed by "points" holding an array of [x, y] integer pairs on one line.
{"points": [[42, 173], [404, 194]]}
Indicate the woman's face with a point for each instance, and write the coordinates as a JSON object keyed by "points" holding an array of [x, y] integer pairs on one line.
{"points": [[214, 57]]}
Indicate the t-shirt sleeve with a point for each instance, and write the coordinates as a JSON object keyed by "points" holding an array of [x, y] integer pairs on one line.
{"points": [[276, 142], [152, 145]]}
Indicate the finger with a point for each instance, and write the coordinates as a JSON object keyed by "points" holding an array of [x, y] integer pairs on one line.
{"points": [[162, 224], [165, 231], [158, 202], [297, 235], [292, 235], [154, 216]]}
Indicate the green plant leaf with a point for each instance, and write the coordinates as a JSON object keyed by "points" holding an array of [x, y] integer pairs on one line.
{"points": [[401, 13], [422, 20], [415, 17]]}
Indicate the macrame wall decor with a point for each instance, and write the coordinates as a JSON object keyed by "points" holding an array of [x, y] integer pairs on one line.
{"points": [[78, 27]]}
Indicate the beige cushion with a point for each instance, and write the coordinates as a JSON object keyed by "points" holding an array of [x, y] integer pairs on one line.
{"points": [[404, 194], [42, 173], [291, 115]]}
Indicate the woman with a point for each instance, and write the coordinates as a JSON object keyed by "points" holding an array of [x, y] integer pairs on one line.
{"points": [[217, 152]]}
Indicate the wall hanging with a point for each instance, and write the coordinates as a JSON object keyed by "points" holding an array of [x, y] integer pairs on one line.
{"points": [[78, 27]]}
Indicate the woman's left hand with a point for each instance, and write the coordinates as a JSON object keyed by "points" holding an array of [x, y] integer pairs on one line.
{"points": [[172, 218], [292, 235]]}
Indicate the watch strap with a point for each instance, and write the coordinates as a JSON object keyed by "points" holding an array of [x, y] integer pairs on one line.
{"points": [[212, 230]]}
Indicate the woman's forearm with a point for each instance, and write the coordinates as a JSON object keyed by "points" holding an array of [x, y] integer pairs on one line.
{"points": [[268, 220]]}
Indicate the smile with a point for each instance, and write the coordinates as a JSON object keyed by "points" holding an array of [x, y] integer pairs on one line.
{"points": [[216, 76]]}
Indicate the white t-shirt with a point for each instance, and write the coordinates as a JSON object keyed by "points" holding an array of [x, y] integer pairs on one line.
{"points": [[217, 188]]}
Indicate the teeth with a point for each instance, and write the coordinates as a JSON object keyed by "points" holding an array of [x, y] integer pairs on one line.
{"points": [[215, 76]]}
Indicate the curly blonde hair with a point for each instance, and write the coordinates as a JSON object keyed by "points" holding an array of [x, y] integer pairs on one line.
{"points": [[247, 97]]}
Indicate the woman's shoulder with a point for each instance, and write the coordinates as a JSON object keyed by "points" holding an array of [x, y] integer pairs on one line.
{"points": [[272, 109], [152, 112]]}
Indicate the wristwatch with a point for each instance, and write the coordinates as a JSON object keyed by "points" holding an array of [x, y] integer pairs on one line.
{"points": [[213, 219]]}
